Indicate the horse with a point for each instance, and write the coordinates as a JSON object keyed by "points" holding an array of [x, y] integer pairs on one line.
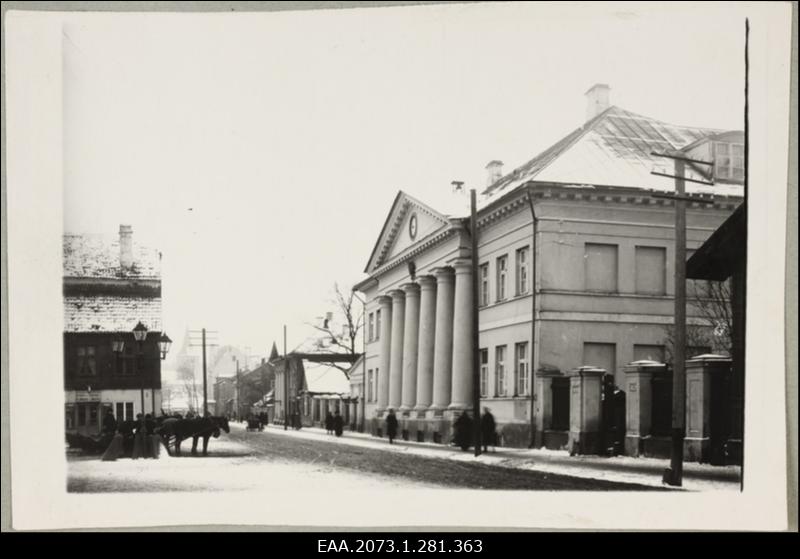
{"points": [[181, 429]]}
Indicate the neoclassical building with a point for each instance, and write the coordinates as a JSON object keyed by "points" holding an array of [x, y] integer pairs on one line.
{"points": [[575, 263]]}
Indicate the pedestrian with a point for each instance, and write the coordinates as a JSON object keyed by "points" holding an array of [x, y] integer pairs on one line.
{"points": [[391, 425], [109, 423], [338, 424], [488, 430], [463, 429], [329, 423]]}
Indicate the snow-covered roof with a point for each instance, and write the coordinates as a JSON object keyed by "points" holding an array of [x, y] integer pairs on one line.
{"points": [[614, 149], [97, 256], [98, 313], [322, 378]]}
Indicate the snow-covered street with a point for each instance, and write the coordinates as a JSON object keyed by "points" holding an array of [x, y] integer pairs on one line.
{"points": [[274, 459]]}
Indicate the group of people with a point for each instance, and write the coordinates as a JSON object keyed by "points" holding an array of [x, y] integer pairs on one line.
{"points": [[334, 423], [462, 429]]}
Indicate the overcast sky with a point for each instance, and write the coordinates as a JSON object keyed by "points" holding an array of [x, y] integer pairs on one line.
{"points": [[261, 152]]}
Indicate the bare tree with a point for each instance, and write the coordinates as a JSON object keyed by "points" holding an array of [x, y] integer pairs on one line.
{"points": [[348, 307], [710, 301]]}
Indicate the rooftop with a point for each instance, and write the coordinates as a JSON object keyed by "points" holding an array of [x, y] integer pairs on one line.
{"points": [[98, 256], [614, 149]]}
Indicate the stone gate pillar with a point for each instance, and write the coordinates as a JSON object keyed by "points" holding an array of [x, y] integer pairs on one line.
{"points": [[639, 403], [586, 385], [707, 407]]}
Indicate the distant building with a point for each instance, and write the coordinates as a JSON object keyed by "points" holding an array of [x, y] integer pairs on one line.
{"points": [[110, 285], [316, 383], [575, 264]]}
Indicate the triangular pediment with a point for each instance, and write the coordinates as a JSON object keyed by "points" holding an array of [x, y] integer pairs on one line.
{"points": [[399, 235]]}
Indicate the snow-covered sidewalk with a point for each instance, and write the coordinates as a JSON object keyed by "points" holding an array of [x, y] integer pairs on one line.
{"points": [[623, 469]]}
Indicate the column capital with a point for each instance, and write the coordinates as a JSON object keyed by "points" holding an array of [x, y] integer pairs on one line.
{"points": [[383, 300], [396, 294], [411, 289], [443, 274], [462, 265], [426, 282]]}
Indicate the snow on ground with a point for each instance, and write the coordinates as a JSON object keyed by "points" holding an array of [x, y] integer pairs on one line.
{"points": [[216, 473], [624, 469]]}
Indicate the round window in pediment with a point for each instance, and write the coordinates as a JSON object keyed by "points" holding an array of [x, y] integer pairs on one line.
{"points": [[412, 226]]}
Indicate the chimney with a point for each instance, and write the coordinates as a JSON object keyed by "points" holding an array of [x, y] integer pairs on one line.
{"points": [[597, 100], [494, 170], [125, 246]]}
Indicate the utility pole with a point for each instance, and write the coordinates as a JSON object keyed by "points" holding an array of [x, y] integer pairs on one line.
{"points": [[285, 382], [204, 343], [674, 474], [476, 359]]}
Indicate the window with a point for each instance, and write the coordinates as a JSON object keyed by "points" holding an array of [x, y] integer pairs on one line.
{"points": [[728, 161], [643, 352], [500, 370], [119, 412], [522, 271], [600, 267], [484, 373], [70, 417], [377, 325], [128, 358], [502, 272], [484, 275], [371, 329], [375, 386], [87, 365], [369, 385], [521, 369], [602, 356], [128, 410], [81, 415], [651, 271]]}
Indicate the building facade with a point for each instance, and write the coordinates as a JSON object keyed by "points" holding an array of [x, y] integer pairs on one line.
{"points": [[575, 268], [110, 285]]}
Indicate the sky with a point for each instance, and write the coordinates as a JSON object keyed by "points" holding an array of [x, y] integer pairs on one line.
{"points": [[260, 153]]}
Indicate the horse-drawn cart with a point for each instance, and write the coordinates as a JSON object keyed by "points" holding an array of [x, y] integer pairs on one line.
{"points": [[255, 424]]}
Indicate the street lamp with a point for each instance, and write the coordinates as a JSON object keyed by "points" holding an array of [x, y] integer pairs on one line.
{"points": [[164, 344]]}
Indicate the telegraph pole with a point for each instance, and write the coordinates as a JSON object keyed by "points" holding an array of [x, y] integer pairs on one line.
{"points": [[285, 382], [476, 359], [205, 379], [204, 344], [674, 474]]}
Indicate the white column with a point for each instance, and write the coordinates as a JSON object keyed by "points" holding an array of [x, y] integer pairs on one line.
{"points": [[396, 364], [461, 394], [427, 330], [443, 339], [410, 347], [386, 353]]}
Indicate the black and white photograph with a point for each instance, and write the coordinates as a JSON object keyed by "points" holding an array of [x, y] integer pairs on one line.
{"points": [[376, 264]]}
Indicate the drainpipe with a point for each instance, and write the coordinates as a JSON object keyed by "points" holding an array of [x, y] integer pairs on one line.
{"points": [[533, 322]]}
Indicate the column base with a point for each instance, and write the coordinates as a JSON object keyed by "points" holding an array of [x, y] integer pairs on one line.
{"points": [[634, 445], [435, 412], [584, 442], [696, 449], [420, 411], [455, 406]]}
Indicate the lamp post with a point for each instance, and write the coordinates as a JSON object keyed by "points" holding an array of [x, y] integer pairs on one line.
{"points": [[140, 335]]}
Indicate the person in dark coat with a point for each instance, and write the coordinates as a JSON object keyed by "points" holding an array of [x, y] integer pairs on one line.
{"points": [[109, 423], [329, 423], [463, 430], [488, 430], [391, 425], [338, 424]]}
